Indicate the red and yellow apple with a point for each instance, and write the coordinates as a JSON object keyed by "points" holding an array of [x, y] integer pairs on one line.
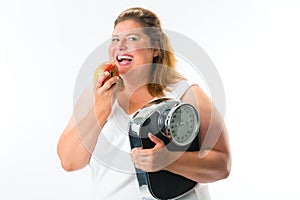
{"points": [[111, 68]]}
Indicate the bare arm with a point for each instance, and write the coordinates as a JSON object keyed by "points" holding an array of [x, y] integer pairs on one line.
{"points": [[79, 138], [213, 162], [210, 164], [77, 141]]}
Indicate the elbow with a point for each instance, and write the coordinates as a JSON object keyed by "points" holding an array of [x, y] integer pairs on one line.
{"points": [[214, 176], [223, 174], [221, 170], [67, 167], [69, 163], [224, 169], [65, 162]]}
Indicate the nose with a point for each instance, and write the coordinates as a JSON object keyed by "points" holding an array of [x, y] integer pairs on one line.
{"points": [[122, 45]]}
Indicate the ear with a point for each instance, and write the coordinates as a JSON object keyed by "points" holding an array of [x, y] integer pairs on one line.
{"points": [[155, 53]]}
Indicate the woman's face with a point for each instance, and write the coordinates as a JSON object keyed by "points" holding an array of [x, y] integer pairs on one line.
{"points": [[130, 47]]}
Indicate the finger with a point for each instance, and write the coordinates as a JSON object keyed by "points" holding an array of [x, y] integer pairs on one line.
{"points": [[138, 152], [110, 83], [139, 163], [140, 166], [139, 155], [100, 80], [158, 142]]}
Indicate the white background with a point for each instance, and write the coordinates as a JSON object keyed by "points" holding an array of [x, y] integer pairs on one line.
{"points": [[254, 45]]}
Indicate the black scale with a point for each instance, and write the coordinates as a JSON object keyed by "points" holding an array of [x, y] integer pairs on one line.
{"points": [[177, 124]]}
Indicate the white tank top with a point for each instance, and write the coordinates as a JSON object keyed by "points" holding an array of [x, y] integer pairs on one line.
{"points": [[113, 172]]}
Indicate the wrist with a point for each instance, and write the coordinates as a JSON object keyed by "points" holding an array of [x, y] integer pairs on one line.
{"points": [[101, 115], [172, 160]]}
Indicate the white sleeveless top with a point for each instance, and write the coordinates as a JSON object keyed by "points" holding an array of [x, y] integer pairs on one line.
{"points": [[113, 172]]}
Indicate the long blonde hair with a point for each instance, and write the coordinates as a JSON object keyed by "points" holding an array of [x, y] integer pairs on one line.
{"points": [[163, 67]]}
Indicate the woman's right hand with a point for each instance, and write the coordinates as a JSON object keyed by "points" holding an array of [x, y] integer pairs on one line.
{"points": [[79, 138], [105, 94]]}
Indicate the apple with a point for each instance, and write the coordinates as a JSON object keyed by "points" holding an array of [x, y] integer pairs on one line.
{"points": [[106, 67]]}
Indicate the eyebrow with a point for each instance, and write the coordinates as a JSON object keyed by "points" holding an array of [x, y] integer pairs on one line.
{"points": [[128, 34]]}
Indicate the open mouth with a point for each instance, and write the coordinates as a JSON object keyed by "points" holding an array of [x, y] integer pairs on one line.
{"points": [[124, 59]]}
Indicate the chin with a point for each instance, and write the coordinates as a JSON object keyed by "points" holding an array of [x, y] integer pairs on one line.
{"points": [[122, 72]]}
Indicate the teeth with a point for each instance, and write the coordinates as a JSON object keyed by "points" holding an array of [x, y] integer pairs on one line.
{"points": [[124, 57]]}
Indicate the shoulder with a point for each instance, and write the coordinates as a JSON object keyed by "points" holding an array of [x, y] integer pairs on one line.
{"points": [[188, 92], [197, 97], [177, 89]]}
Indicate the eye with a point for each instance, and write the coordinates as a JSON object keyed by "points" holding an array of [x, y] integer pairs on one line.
{"points": [[115, 39], [132, 38]]}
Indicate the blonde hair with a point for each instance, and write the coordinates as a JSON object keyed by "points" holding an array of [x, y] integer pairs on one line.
{"points": [[163, 67]]}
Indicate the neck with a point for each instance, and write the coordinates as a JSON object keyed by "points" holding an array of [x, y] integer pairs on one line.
{"points": [[132, 100], [135, 92]]}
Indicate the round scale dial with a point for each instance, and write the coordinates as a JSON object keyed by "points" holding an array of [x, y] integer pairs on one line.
{"points": [[183, 124]]}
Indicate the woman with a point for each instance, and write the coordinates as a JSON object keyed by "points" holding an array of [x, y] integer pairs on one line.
{"points": [[99, 138]]}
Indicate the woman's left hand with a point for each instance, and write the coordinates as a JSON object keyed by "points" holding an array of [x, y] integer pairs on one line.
{"points": [[154, 159]]}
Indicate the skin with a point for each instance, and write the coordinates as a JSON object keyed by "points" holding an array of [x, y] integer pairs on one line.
{"points": [[213, 161], [128, 38]]}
